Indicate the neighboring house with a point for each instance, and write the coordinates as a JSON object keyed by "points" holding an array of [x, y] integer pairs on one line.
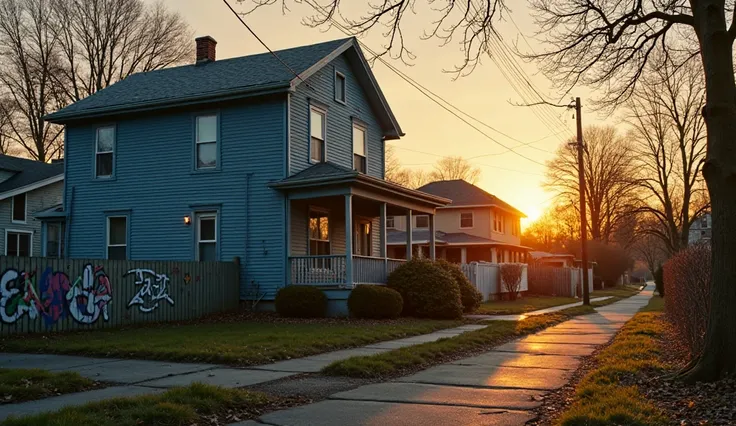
{"points": [[701, 229], [241, 158], [28, 191], [561, 260], [475, 226]]}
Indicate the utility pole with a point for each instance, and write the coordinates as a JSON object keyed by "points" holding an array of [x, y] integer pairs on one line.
{"points": [[583, 212]]}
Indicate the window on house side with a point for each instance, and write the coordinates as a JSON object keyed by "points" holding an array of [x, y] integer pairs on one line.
{"points": [[104, 152], [319, 233], [466, 220], [422, 221], [359, 161], [317, 135], [339, 87], [206, 142], [55, 240], [117, 237], [390, 222], [207, 237], [18, 244], [19, 208]]}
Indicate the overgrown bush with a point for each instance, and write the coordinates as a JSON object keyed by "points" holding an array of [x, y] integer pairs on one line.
{"points": [[469, 295], [687, 285], [301, 302], [375, 301], [659, 280], [428, 290], [511, 278]]}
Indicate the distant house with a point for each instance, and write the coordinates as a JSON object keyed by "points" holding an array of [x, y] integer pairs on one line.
{"points": [[561, 260], [701, 229], [30, 191], [475, 226], [241, 158]]}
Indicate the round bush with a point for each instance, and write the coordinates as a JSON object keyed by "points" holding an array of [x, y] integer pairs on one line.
{"points": [[470, 297], [375, 302], [301, 302], [428, 290]]}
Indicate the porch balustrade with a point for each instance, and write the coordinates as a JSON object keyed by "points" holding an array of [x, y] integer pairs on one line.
{"points": [[332, 271]]}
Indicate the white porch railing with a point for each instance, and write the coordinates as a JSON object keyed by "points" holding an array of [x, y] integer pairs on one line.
{"points": [[318, 270], [369, 270], [392, 264]]}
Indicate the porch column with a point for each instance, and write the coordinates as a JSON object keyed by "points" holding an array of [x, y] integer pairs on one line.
{"points": [[409, 241], [494, 255], [287, 218], [432, 252], [349, 240], [382, 230], [464, 255]]}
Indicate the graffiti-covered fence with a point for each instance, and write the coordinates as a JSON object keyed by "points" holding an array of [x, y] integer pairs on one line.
{"points": [[45, 295]]}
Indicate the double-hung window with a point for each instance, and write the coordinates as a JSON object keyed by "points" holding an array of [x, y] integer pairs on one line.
{"points": [[207, 236], [18, 243], [206, 141], [359, 150], [317, 135], [466, 220], [319, 233], [117, 237], [105, 152], [339, 87], [19, 208], [55, 239]]}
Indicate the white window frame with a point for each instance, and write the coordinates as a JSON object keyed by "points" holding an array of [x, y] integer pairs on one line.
{"points": [[98, 152], [472, 220], [25, 208], [416, 221], [338, 76], [392, 224], [323, 113], [206, 215], [45, 242], [362, 128], [20, 231], [198, 142], [107, 236]]}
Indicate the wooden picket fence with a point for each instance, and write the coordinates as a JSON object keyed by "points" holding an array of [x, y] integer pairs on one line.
{"points": [[552, 281], [50, 295]]}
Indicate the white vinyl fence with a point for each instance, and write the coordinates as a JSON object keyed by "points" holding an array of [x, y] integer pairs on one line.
{"points": [[486, 277]]}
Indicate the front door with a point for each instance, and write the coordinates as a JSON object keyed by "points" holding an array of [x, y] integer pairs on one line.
{"points": [[362, 238]]}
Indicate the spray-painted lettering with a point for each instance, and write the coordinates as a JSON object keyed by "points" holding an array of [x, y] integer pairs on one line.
{"points": [[89, 295], [154, 288]]}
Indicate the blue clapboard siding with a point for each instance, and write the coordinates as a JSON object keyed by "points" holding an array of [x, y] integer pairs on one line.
{"points": [[156, 186], [320, 87]]}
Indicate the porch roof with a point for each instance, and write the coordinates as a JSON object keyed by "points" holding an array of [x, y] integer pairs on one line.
{"points": [[53, 212], [421, 236], [324, 179]]}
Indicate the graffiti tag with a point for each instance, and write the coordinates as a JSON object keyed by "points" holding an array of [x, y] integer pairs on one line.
{"points": [[154, 288], [90, 295]]}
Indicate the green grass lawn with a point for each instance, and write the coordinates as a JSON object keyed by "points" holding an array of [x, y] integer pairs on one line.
{"points": [[656, 304], [234, 343], [522, 305], [17, 385], [195, 404], [619, 291]]}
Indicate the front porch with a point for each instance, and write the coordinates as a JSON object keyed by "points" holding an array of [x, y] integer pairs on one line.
{"points": [[336, 222]]}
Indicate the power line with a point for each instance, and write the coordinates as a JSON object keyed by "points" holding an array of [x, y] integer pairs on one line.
{"points": [[466, 159]]}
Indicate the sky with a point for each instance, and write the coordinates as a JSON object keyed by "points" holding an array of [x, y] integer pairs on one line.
{"points": [[431, 132]]}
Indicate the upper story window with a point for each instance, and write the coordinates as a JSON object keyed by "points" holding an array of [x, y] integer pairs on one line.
{"points": [[339, 87], [19, 208], [498, 222], [117, 237], [422, 221], [105, 152], [317, 135], [206, 142], [359, 162], [515, 227], [466, 220], [390, 222]]}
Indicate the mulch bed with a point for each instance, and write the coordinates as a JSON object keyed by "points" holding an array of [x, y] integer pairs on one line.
{"points": [[684, 404]]}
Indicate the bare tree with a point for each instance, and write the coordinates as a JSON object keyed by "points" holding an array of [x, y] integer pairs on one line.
{"points": [[6, 117], [393, 172], [556, 230], [453, 168], [609, 186], [669, 142]]}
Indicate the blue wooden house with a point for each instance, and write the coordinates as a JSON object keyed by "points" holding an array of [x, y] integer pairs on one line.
{"points": [[280, 166]]}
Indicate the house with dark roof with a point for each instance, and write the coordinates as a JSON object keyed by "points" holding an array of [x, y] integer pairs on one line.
{"points": [[476, 226], [28, 191], [279, 165]]}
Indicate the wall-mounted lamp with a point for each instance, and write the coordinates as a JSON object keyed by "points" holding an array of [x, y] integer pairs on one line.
{"points": [[187, 220]]}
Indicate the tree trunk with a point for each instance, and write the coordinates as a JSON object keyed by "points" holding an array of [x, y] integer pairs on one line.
{"points": [[718, 358]]}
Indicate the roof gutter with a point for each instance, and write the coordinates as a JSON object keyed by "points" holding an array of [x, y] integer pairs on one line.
{"points": [[31, 187]]}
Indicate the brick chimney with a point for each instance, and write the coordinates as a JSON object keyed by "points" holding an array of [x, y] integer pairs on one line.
{"points": [[205, 49]]}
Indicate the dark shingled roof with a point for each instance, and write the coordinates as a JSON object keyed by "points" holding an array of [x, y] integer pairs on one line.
{"points": [[463, 193], [27, 172], [56, 211], [324, 170], [222, 77]]}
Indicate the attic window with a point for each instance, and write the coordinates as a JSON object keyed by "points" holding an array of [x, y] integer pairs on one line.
{"points": [[339, 87]]}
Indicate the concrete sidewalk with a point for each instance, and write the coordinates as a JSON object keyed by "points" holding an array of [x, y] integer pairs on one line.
{"points": [[495, 388], [137, 377]]}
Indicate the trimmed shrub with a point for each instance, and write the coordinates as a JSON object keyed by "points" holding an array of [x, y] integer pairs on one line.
{"points": [[687, 285], [301, 302], [511, 277], [428, 290], [470, 297], [659, 280], [375, 302]]}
